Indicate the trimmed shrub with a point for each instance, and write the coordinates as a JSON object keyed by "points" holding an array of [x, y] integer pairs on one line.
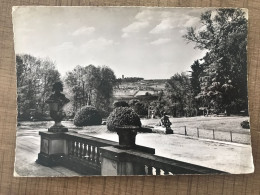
{"points": [[245, 124], [121, 104], [87, 116], [122, 116], [104, 113]]}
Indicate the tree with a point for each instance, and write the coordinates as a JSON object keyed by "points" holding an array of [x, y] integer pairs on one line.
{"points": [[140, 107], [179, 95], [196, 72], [35, 77], [223, 33], [92, 86], [75, 88], [105, 89]]}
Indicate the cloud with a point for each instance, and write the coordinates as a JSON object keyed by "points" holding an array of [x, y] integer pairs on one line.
{"points": [[141, 22], [135, 26], [160, 41], [144, 15], [64, 46], [172, 20], [83, 31], [98, 44], [183, 31], [125, 35], [190, 21], [165, 25]]}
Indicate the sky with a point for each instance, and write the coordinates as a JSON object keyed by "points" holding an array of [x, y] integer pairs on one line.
{"points": [[132, 41]]}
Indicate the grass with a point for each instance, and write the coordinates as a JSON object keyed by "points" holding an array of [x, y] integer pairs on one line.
{"points": [[231, 123]]}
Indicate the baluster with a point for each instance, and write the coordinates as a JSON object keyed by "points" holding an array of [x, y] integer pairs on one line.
{"points": [[93, 153], [158, 171], [98, 156], [166, 172], [72, 147], [85, 150], [80, 149], [76, 148], [150, 170], [89, 152]]}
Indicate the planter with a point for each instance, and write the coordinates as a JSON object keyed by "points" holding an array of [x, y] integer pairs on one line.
{"points": [[127, 136], [56, 103]]}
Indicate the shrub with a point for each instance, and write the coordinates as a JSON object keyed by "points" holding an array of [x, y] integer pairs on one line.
{"points": [[87, 116], [121, 104], [122, 116], [245, 124], [140, 108], [104, 113]]}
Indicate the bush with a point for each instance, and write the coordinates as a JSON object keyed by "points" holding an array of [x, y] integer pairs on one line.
{"points": [[245, 124], [104, 113], [87, 116], [140, 108], [121, 104], [122, 116]]}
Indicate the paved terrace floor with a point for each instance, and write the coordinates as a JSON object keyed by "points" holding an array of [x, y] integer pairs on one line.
{"points": [[230, 157]]}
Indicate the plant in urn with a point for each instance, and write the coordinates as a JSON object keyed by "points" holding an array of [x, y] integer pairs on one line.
{"points": [[56, 103]]}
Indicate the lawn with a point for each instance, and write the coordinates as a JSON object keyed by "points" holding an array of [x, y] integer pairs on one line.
{"points": [[218, 128], [231, 123]]}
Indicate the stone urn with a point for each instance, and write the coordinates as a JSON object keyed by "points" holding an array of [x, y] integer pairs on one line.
{"points": [[127, 136], [56, 103]]}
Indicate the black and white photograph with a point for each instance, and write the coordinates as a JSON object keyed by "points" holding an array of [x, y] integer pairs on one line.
{"points": [[109, 91]]}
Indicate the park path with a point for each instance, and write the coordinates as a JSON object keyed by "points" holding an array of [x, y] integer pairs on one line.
{"points": [[27, 149]]}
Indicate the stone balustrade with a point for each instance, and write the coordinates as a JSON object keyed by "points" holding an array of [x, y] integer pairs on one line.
{"points": [[89, 155]]}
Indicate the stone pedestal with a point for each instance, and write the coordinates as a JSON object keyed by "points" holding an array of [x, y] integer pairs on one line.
{"points": [[53, 148], [115, 161], [169, 130], [58, 129], [127, 136]]}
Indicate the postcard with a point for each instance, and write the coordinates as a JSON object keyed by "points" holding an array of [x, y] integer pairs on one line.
{"points": [[107, 91]]}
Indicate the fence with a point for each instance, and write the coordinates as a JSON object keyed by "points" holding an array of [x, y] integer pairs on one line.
{"points": [[215, 134]]}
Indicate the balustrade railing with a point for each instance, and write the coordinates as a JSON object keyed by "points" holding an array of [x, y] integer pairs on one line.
{"points": [[83, 152], [157, 165], [86, 147]]}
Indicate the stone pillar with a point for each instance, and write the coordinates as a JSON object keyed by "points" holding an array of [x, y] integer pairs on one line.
{"points": [[53, 144], [116, 161], [113, 162], [53, 148]]}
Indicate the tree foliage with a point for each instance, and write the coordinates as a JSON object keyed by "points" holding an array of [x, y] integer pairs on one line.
{"points": [[91, 86], [179, 95], [35, 77], [196, 73], [140, 107], [223, 33]]}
